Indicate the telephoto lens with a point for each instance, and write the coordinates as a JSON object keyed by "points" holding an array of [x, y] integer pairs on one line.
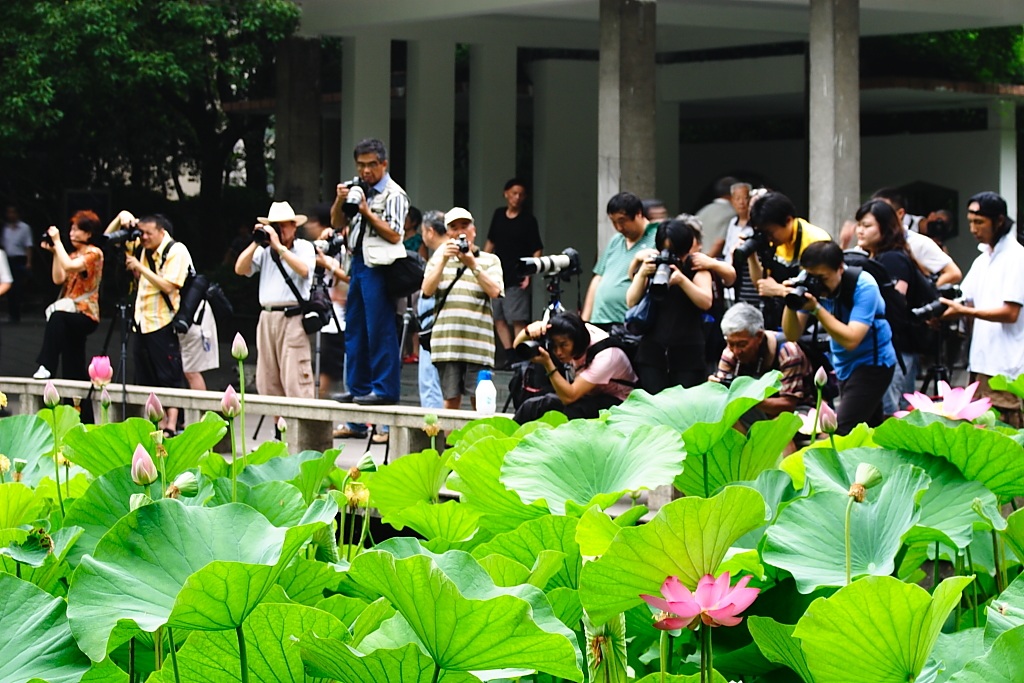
{"points": [[355, 197]]}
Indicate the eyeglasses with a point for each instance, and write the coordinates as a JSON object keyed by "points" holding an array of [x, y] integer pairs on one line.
{"points": [[367, 164]]}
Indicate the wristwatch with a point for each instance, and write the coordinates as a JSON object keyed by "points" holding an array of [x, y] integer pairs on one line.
{"points": [[281, 249]]}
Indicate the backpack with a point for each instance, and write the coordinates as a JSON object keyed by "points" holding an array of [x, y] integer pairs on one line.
{"points": [[617, 339]]}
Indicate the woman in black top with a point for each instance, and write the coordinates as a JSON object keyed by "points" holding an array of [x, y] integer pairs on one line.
{"points": [[672, 353]]}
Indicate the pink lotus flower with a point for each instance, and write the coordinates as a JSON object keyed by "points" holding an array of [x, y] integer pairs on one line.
{"points": [[239, 351], [955, 404], [820, 377], [143, 468], [50, 396], [230, 404], [828, 421], [714, 603], [154, 410], [100, 371]]}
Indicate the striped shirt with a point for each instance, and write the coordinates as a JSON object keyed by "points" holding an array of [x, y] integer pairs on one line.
{"points": [[464, 331], [151, 310], [389, 201]]}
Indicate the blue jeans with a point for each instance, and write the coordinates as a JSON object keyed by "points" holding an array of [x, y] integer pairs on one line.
{"points": [[902, 383], [371, 336], [430, 382]]}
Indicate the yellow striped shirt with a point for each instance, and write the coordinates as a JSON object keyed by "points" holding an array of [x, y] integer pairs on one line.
{"points": [[151, 310]]}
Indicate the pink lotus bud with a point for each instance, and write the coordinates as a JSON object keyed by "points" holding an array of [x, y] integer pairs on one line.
{"points": [[820, 377], [104, 398], [239, 351], [154, 410], [143, 468], [828, 421], [282, 426], [100, 371], [230, 405], [50, 396]]}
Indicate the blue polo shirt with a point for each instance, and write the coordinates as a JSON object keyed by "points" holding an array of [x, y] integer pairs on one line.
{"points": [[868, 308]]}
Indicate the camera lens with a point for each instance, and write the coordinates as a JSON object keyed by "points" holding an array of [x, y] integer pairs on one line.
{"points": [[528, 350]]}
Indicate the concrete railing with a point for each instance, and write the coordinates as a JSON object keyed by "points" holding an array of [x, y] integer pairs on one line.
{"points": [[310, 421]]}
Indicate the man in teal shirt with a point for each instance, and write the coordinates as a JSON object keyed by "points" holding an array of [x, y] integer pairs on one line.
{"points": [[606, 297]]}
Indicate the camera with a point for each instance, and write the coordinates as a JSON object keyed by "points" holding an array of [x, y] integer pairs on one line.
{"points": [[530, 348], [463, 244], [934, 309], [260, 237], [356, 194], [804, 283], [663, 273], [754, 242], [124, 235], [565, 264], [332, 246]]}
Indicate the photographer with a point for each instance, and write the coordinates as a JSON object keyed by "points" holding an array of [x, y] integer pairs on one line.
{"points": [[672, 352], [849, 306], [284, 363], [602, 375], [993, 293], [774, 217], [462, 341], [76, 314]]}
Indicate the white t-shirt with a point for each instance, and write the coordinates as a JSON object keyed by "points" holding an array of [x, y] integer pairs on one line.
{"points": [[273, 288], [926, 252], [995, 277], [18, 239], [5, 269]]}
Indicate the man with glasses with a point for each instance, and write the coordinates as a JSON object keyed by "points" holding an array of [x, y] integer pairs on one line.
{"points": [[284, 366]]}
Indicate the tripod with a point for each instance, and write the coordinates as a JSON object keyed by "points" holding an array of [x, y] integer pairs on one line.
{"points": [[939, 371], [125, 313], [318, 281]]}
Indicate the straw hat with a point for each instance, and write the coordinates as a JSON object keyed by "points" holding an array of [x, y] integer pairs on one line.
{"points": [[282, 212]]}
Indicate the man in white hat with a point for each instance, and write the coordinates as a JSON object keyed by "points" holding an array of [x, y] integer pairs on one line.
{"points": [[284, 366], [463, 281]]}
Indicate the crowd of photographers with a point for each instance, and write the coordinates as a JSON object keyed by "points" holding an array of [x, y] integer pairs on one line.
{"points": [[743, 287]]}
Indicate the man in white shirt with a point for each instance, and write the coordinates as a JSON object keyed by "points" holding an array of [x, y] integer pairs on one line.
{"points": [[993, 295], [715, 217], [17, 244]]}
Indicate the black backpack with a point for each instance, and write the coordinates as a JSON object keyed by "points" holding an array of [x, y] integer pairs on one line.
{"points": [[618, 339]]}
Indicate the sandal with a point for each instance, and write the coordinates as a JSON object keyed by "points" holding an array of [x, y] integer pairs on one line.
{"points": [[345, 432]]}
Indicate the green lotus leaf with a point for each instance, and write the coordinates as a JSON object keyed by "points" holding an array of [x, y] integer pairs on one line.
{"points": [[53, 571], [952, 651], [735, 457], [35, 641], [67, 418], [450, 521], [347, 609], [305, 581], [29, 438], [103, 504], [1013, 535], [39, 546], [809, 537], [587, 462], [778, 645], [1006, 611], [336, 660], [687, 538], [313, 472], [270, 635], [1002, 383], [595, 531], [495, 423], [676, 678], [1001, 664], [776, 487], [215, 466], [504, 571], [702, 414], [948, 507], [105, 672], [477, 478], [548, 420], [461, 618], [19, 505], [410, 479], [190, 567], [882, 626], [278, 501], [302, 470], [532, 538], [984, 455]]}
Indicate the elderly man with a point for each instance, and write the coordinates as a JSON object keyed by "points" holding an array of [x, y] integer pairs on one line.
{"points": [[465, 280], [284, 365]]}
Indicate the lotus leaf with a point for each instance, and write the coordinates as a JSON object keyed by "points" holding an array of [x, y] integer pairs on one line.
{"points": [[1006, 611], [1001, 664], [534, 537], [336, 660], [778, 645]]}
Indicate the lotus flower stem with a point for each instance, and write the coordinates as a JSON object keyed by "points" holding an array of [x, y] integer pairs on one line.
{"points": [[234, 457], [174, 655], [243, 660], [663, 647], [67, 478], [935, 568], [704, 465], [958, 568], [706, 664], [817, 416], [241, 395], [131, 661], [832, 441], [56, 463], [437, 673], [366, 526], [974, 587], [997, 559], [158, 648], [849, 560], [351, 535]]}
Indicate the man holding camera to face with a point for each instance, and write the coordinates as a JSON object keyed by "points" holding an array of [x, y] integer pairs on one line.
{"points": [[284, 365], [465, 280]]}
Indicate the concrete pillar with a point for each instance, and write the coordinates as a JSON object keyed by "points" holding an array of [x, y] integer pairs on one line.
{"points": [[625, 139], [492, 126], [564, 130], [667, 184], [430, 131], [365, 94], [834, 102], [297, 123], [1002, 119], [332, 161]]}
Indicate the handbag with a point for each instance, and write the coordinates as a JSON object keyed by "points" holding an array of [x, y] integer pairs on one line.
{"points": [[63, 304], [431, 315], [405, 275], [316, 310], [640, 317]]}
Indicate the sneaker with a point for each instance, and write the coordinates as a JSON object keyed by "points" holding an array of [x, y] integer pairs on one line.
{"points": [[411, 359], [379, 437], [345, 432], [41, 373]]}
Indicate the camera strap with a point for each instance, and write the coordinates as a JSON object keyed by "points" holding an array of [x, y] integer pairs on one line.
{"points": [[288, 281], [163, 260], [439, 304]]}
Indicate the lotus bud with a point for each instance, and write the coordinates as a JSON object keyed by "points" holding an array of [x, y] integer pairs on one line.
{"points": [[820, 377], [185, 484], [154, 410], [230, 405], [137, 500], [50, 396], [828, 421], [5, 464], [143, 468], [867, 475], [430, 426], [239, 351], [3, 400], [282, 425], [101, 372], [104, 398]]}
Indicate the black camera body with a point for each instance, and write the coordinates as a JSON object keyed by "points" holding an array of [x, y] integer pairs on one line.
{"points": [[530, 349], [663, 272], [357, 191], [463, 244], [332, 246], [119, 238], [934, 309], [260, 237], [804, 283], [755, 242]]}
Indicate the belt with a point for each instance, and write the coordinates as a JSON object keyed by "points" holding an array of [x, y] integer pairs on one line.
{"points": [[272, 309]]}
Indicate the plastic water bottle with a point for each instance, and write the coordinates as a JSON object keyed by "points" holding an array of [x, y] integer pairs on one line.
{"points": [[486, 394]]}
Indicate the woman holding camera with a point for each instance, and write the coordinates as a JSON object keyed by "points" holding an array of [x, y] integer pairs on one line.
{"points": [[76, 314], [672, 352], [602, 375]]}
